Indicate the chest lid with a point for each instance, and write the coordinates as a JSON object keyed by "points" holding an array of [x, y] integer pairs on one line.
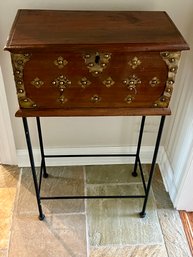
{"points": [[126, 30]]}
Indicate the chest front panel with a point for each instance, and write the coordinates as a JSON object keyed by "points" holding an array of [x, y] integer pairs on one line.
{"points": [[94, 78]]}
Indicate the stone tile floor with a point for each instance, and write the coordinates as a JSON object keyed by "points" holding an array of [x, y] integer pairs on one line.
{"points": [[87, 228]]}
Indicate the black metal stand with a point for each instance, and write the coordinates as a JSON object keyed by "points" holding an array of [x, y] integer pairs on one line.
{"points": [[43, 172]]}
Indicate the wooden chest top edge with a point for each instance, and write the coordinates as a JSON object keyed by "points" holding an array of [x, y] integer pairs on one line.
{"points": [[31, 30]]}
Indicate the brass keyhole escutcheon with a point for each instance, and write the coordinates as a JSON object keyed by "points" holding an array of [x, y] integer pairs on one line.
{"points": [[97, 58], [96, 62]]}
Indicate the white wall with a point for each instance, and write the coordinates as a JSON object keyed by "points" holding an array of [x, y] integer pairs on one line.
{"points": [[179, 140], [7, 146], [112, 131]]}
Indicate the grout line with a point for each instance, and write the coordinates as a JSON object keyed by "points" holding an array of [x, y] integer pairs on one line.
{"points": [[57, 214], [122, 246], [158, 217], [116, 184], [86, 217], [18, 186]]}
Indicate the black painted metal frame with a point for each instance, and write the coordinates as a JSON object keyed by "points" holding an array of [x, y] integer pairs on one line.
{"points": [[43, 172]]}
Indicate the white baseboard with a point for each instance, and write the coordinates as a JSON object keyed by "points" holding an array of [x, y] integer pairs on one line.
{"points": [[145, 154], [167, 174]]}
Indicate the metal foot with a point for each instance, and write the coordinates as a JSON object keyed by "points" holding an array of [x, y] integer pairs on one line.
{"points": [[41, 217], [142, 214], [134, 174], [45, 175]]}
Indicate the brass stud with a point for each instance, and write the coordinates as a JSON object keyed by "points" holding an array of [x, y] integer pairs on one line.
{"points": [[96, 72], [129, 99], [173, 69], [155, 105], [87, 56], [132, 81], [34, 105], [108, 82], [165, 54], [171, 82], [25, 100], [172, 60], [62, 99], [37, 82], [107, 56], [134, 63], [154, 81], [60, 62], [20, 90], [91, 64], [103, 64], [84, 82], [95, 99], [19, 82], [19, 62]]}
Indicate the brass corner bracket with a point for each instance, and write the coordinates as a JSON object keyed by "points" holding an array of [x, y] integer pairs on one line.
{"points": [[172, 61], [19, 61]]}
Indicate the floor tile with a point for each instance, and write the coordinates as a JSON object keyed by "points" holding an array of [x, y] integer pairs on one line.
{"points": [[57, 235], [118, 173], [130, 251], [173, 233], [117, 222], [8, 176], [113, 225], [61, 181], [162, 197], [7, 196], [4, 253]]}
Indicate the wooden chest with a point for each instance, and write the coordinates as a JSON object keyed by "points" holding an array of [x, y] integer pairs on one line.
{"points": [[94, 63]]}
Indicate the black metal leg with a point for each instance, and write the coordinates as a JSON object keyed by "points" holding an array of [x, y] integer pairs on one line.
{"points": [[43, 165], [29, 146], [142, 213], [134, 173]]}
